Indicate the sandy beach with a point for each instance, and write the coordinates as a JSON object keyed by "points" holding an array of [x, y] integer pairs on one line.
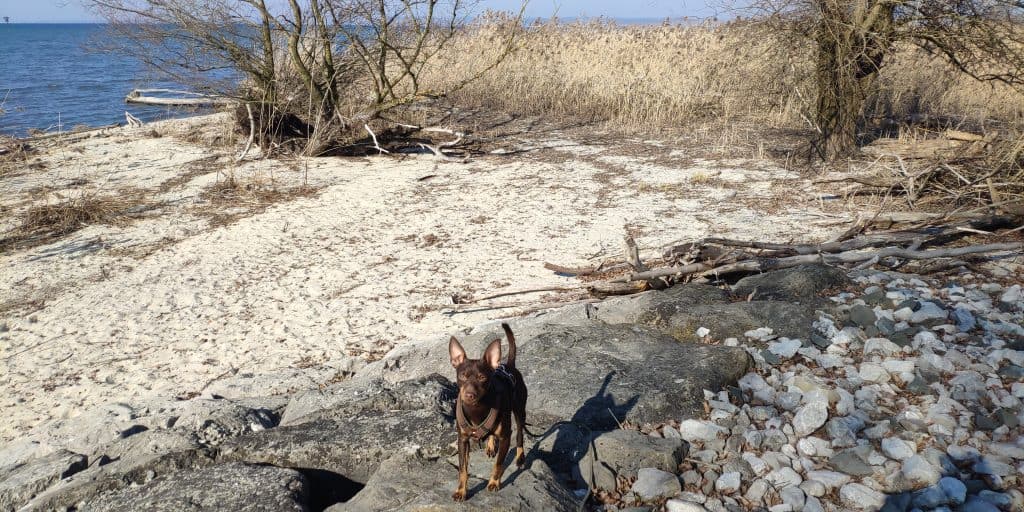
{"points": [[349, 258]]}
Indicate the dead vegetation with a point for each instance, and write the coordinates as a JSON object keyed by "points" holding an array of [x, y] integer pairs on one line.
{"points": [[49, 221], [230, 199]]}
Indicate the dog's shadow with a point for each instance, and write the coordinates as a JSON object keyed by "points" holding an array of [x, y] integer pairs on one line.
{"points": [[598, 413]]}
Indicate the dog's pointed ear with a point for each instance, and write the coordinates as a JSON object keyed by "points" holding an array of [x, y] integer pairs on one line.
{"points": [[456, 352], [492, 354]]}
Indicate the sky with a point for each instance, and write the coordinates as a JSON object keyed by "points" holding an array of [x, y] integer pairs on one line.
{"points": [[70, 11]]}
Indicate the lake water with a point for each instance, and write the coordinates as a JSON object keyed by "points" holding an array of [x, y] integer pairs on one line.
{"points": [[52, 81]]}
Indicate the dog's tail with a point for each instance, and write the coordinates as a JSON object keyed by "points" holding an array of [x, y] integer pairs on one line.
{"points": [[511, 345]]}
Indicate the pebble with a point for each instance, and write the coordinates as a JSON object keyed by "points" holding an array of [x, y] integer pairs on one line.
{"points": [[683, 506], [919, 472], [954, 490], [860, 497], [728, 483], [785, 348], [793, 497], [696, 430], [810, 418], [756, 491], [654, 483], [783, 477], [872, 372], [898, 449], [850, 463]]}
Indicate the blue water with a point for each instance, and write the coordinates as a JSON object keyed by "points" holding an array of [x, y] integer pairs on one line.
{"points": [[52, 80]]}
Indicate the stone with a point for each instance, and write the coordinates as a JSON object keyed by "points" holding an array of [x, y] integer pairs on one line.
{"points": [[976, 504], [698, 430], [22, 482], [861, 497], [930, 497], [990, 466], [409, 483], [813, 488], [813, 504], [654, 483], [918, 472], [794, 497], [1012, 295], [728, 483], [898, 449], [810, 417], [756, 491], [798, 284], [954, 490], [928, 311], [232, 486], [999, 499], [783, 477], [880, 346], [683, 506], [621, 453], [848, 462], [872, 372], [785, 348], [964, 319], [863, 316]]}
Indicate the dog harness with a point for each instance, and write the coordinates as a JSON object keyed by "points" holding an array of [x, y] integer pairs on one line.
{"points": [[480, 431]]}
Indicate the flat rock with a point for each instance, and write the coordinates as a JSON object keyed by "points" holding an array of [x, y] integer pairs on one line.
{"points": [[412, 483], [224, 487], [624, 452], [132, 461], [22, 482], [620, 374], [654, 483], [848, 462], [354, 437], [798, 284]]}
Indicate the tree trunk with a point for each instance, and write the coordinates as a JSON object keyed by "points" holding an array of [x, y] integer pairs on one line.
{"points": [[853, 38]]}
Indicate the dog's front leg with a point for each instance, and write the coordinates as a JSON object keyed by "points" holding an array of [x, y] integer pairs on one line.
{"points": [[504, 437], [460, 492]]}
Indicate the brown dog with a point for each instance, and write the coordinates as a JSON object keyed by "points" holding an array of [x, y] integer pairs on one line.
{"points": [[489, 394]]}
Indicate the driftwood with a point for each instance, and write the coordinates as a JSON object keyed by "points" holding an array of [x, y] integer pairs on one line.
{"points": [[137, 96], [710, 259]]}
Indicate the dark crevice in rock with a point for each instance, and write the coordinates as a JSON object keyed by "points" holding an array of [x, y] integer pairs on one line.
{"points": [[328, 488]]}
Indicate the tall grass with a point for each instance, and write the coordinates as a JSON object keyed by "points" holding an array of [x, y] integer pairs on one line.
{"points": [[643, 77]]}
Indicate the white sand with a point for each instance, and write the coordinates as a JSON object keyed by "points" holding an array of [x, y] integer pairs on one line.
{"points": [[166, 304]]}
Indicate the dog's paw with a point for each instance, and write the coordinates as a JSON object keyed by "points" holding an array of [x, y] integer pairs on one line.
{"points": [[459, 495], [493, 485], [492, 447], [520, 458]]}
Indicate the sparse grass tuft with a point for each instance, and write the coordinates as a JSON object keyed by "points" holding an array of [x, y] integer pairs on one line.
{"points": [[43, 223]]}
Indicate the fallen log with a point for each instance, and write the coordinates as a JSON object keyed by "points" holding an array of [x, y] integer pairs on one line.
{"points": [[199, 100], [766, 264]]}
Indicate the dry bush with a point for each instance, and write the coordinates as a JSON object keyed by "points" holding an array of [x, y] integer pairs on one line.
{"points": [[230, 199], [641, 78]]}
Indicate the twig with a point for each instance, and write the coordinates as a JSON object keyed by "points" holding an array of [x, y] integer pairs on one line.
{"points": [[373, 136], [252, 134], [524, 292]]}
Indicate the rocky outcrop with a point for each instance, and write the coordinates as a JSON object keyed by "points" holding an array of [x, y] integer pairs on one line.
{"points": [[413, 483], [224, 487], [906, 395]]}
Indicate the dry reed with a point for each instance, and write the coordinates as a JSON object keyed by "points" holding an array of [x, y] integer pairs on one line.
{"points": [[640, 78]]}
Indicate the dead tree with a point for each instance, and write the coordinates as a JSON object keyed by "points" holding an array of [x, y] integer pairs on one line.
{"points": [[853, 40]]}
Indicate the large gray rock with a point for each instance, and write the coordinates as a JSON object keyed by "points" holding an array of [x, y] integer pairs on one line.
{"points": [[413, 483], [598, 375], [21, 483], [803, 284], [136, 466], [354, 437], [656, 307], [242, 487], [624, 452]]}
